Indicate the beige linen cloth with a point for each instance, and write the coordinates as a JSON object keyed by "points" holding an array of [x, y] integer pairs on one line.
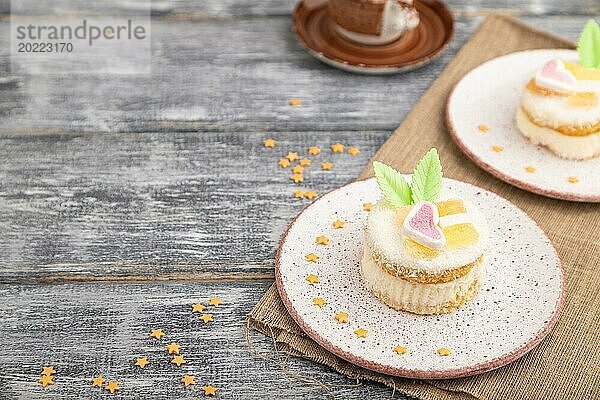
{"points": [[566, 365]]}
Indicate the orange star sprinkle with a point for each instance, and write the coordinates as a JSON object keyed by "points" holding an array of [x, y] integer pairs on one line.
{"points": [[295, 102], [178, 360], [483, 128], [367, 206], [207, 318], [46, 380], [305, 162], [173, 348], [497, 149], [284, 163], [188, 380], [210, 390], [572, 179], [353, 150], [142, 362], [400, 350], [443, 352], [292, 156], [112, 386], [312, 257], [341, 317], [312, 279], [297, 178], [214, 301], [337, 148], [324, 240], [198, 307], [299, 194], [338, 224], [298, 169], [98, 381], [313, 151], [157, 333], [49, 370], [310, 195], [317, 301], [269, 143], [326, 166], [530, 169], [361, 333]]}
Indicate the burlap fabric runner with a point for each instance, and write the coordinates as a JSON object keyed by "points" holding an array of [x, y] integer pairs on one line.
{"points": [[566, 365]]}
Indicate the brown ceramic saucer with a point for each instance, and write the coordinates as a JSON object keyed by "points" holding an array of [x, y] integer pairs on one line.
{"points": [[412, 50]]}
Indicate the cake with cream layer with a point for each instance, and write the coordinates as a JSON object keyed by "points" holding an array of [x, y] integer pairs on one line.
{"points": [[427, 256]]}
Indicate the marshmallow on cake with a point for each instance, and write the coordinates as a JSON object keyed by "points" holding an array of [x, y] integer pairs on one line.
{"points": [[423, 253], [560, 106]]}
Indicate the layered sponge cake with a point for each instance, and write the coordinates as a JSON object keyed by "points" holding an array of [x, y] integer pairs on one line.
{"points": [[560, 105], [426, 257]]}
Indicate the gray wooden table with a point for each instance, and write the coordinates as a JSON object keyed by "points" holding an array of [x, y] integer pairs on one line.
{"points": [[123, 200]]}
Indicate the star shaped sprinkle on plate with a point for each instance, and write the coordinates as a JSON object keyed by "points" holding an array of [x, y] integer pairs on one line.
{"points": [[319, 302], [98, 381], [342, 317], [324, 240], [292, 156], [295, 102], [298, 169], [443, 352], [178, 360], [361, 333], [353, 151], [497, 149], [305, 162], [112, 386], [198, 307], [312, 257], [173, 348], [46, 380], [206, 318], [338, 224], [312, 279], [314, 150], [337, 148], [572, 179], [299, 194], [142, 362], [297, 178], [210, 390], [157, 333], [49, 370], [310, 195], [269, 143], [215, 301], [188, 380], [367, 206], [326, 166], [400, 350], [284, 163], [483, 128], [530, 169]]}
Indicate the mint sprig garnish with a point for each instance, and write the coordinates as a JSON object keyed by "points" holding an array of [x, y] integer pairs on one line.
{"points": [[588, 46], [426, 181], [395, 189]]}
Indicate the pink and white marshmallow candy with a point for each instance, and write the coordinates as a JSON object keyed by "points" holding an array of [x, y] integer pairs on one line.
{"points": [[553, 75], [421, 225]]}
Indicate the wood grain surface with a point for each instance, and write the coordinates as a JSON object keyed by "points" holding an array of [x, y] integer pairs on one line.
{"points": [[126, 197]]}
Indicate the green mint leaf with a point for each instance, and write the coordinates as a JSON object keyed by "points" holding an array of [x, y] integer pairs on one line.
{"points": [[588, 46], [392, 184], [427, 178]]}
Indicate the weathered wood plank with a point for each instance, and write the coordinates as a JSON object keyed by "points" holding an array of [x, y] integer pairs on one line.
{"points": [[224, 8], [194, 206], [87, 330], [221, 75]]}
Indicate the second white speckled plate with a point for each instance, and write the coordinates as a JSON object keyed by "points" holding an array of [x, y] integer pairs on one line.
{"points": [[489, 95], [516, 307]]}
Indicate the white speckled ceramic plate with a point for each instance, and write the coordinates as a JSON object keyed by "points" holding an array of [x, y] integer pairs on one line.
{"points": [[489, 95], [516, 307]]}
